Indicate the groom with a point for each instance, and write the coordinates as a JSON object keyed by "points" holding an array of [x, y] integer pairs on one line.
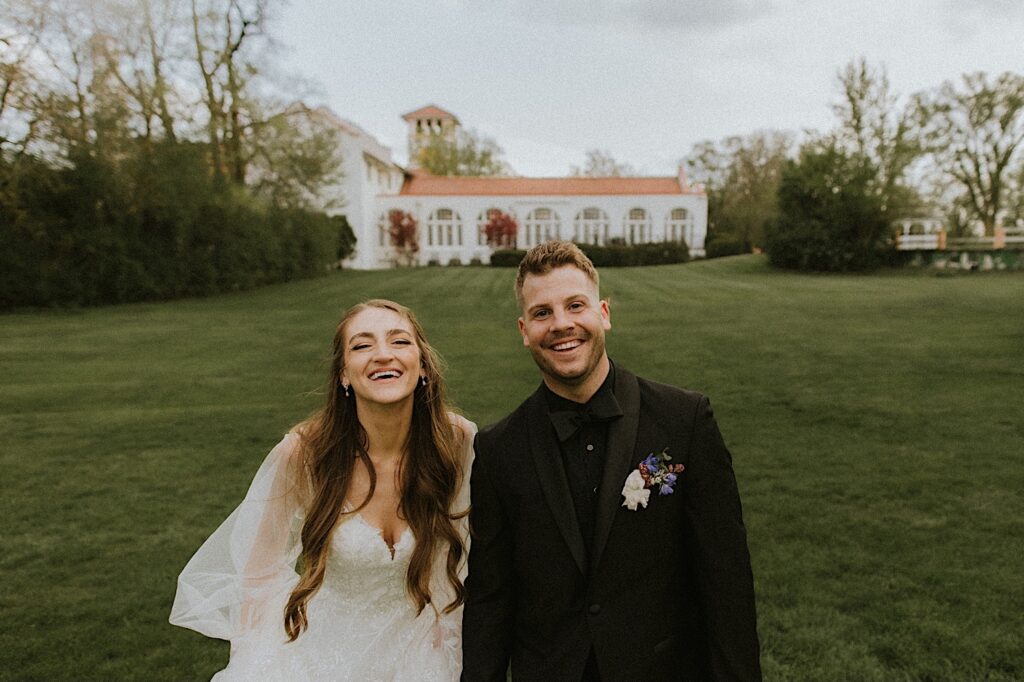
{"points": [[608, 541]]}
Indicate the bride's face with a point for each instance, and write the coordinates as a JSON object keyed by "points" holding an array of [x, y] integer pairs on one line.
{"points": [[382, 358]]}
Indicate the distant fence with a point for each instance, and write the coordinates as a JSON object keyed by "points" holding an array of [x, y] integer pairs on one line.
{"points": [[938, 241]]}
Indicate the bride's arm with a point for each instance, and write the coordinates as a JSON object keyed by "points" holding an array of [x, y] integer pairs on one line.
{"points": [[245, 570]]}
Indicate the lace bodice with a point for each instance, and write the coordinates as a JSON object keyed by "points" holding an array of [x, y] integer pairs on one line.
{"points": [[362, 575], [362, 624]]}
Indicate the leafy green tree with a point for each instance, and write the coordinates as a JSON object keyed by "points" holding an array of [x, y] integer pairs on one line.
{"points": [[975, 132], [741, 178], [113, 187], [601, 164], [874, 124], [830, 216], [20, 29], [469, 153], [1015, 208], [294, 157], [346, 237]]}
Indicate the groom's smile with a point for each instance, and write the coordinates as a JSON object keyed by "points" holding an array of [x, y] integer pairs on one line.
{"points": [[567, 345]]}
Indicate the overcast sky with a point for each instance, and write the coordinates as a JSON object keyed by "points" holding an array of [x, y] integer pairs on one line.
{"points": [[644, 79]]}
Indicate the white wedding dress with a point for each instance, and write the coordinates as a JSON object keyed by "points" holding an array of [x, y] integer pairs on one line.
{"points": [[362, 624]]}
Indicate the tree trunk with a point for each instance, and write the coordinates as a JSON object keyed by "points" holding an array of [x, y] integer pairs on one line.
{"points": [[159, 84], [213, 125]]}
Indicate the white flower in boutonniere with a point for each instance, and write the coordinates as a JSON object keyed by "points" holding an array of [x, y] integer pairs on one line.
{"points": [[655, 470], [635, 491]]}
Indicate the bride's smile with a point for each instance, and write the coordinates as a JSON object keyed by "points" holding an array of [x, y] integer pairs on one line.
{"points": [[382, 359]]}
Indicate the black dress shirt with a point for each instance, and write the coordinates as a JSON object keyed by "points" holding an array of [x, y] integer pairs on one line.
{"points": [[582, 430]]}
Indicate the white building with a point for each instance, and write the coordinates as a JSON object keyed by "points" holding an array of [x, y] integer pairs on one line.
{"points": [[451, 211]]}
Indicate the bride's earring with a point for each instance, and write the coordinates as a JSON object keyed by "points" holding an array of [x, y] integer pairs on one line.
{"points": [[345, 386], [423, 379]]}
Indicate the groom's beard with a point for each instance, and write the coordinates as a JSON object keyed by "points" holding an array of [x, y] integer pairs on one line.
{"points": [[575, 372]]}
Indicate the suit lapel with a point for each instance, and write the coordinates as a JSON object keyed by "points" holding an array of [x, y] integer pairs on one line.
{"points": [[619, 458], [552, 477]]}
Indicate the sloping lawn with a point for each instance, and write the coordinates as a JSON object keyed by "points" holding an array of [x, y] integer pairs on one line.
{"points": [[876, 424]]}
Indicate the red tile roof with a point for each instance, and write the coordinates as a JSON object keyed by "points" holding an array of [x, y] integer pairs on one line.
{"points": [[429, 111], [424, 184]]}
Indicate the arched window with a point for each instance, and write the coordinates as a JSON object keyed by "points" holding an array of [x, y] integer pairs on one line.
{"points": [[679, 226], [541, 225], [590, 227], [481, 223], [444, 228], [637, 229]]}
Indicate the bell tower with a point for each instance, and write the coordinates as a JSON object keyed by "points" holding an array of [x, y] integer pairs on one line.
{"points": [[425, 123]]}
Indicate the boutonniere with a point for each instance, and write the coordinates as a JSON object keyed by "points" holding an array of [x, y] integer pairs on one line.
{"points": [[655, 470]]}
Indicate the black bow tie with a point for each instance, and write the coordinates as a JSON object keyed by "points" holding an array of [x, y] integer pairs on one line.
{"points": [[602, 407]]}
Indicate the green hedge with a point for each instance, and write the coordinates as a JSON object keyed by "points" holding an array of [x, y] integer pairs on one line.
{"points": [[507, 258], [152, 227], [719, 245], [657, 253]]}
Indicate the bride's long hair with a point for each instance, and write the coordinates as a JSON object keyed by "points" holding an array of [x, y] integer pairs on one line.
{"points": [[332, 441]]}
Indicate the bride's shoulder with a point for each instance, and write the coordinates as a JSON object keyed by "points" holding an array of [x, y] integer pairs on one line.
{"points": [[287, 455], [290, 444], [462, 425], [286, 464], [465, 430]]}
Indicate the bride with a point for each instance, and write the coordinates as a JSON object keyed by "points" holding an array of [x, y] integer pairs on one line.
{"points": [[369, 497]]}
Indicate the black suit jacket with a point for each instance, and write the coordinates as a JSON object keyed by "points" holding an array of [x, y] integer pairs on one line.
{"points": [[666, 592]]}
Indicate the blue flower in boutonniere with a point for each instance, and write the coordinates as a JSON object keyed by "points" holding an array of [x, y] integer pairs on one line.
{"points": [[654, 470]]}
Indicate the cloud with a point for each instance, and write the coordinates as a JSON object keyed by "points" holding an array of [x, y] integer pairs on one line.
{"points": [[973, 19], [646, 14], [690, 13], [985, 9], [995, 6]]}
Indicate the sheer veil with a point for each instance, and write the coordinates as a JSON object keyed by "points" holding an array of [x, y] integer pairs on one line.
{"points": [[246, 569], [238, 581]]}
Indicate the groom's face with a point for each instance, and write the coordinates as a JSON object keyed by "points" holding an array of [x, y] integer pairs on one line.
{"points": [[563, 324]]}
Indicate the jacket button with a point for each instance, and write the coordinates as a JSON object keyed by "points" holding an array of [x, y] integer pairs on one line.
{"points": [[594, 609]]}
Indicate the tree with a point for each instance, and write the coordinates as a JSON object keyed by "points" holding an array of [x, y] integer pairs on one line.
{"points": [[975, 132], [221, 30], [20, 33], [92, 77], [346, 237], [741, 178], [500, 230], [132, 53], [830, 216], [120, 180], [1015, 209], [294, 157], [873, 125], [601, 164], [468, 154], [403, 233]]}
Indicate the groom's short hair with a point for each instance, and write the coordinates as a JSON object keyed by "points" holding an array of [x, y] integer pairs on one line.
{"points": [[545, 257]]}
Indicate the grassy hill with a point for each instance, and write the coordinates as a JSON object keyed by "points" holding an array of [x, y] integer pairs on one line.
{"points": [[875, 423]]}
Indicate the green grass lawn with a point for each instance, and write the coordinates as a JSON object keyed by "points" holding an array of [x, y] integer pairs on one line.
{"points": [[876, 424]]}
